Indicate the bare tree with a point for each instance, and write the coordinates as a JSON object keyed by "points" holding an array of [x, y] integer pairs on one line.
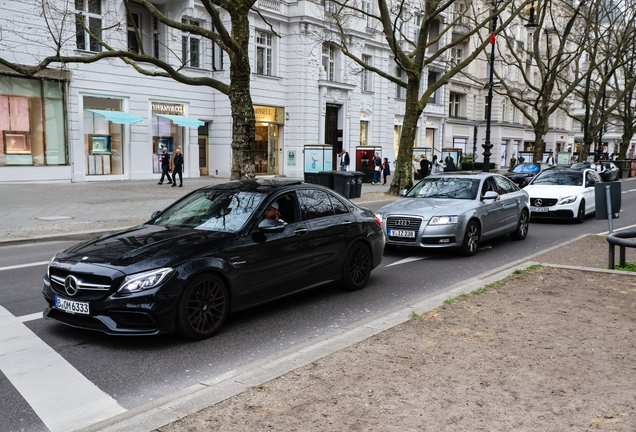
{"points": [[412, 55], [233, 41]]}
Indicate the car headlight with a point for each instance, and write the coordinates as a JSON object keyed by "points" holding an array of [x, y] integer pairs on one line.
{"points": [[443, 220], [48, 268], [567, 200], [146, 280]]}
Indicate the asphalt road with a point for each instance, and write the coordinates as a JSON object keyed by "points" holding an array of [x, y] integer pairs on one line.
{"points": [[135, 371]]}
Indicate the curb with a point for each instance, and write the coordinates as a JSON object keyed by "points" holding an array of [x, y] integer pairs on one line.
{"points": [[80, 235], [190, 400]]}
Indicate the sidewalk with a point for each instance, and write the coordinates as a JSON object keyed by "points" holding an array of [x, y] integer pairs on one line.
{"points": [[547, 348], [39, 210]]}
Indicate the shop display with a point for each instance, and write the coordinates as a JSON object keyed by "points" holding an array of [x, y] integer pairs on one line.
{"points": [[167, 143], [318, 158], [101, 144], [17, 142], [364, 161]]}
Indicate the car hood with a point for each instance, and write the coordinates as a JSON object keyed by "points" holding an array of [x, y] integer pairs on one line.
{"points": [[144, 247], [427, 207], [513, 175], [552, 191]]}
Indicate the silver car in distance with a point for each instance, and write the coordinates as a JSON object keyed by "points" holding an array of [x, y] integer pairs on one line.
{"points": [[456, 210]]}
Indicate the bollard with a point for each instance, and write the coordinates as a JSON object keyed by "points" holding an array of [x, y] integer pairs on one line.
{"points": [[608, 200]]}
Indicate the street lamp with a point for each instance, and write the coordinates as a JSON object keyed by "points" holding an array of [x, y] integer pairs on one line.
{"points": [[487, 145]]}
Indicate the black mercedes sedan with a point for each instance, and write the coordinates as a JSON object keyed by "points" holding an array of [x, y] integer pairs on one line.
{"points": [[217, 250], [523, 174]]}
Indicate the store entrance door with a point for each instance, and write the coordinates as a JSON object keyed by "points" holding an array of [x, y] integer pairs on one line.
{"points": [[331, 131], [203, 149], [266, 160]]}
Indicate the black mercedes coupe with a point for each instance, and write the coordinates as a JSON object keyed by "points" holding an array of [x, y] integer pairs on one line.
{"points": [[217, 250]]}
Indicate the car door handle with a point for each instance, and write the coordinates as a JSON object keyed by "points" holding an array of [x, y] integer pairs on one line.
{"points": [[301, 231], [346, 223]]}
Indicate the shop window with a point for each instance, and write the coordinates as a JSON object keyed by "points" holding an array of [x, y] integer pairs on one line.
{"points": [[166, 134], [103, 139], [264, 57], [190, 46], [28, 109], [266, 159], [88, 25], [366, 74], [364, 132]]}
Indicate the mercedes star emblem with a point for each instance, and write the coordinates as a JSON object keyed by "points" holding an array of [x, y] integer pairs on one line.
{"points": [[538, 202], [403, 222], [70, 285]]}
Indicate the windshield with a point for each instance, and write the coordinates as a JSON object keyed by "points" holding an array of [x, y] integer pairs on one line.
{"points": [[446, 187], [559, 178], [526, 168], [214, 210], [580, 165]]}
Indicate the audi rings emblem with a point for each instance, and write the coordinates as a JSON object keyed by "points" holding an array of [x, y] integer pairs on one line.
{"points": [[538, 202], [71, 285], [402, 222]]}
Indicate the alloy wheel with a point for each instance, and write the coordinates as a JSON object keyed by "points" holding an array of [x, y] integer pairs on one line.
{"points": [[207, 306], [360, 265], [523, 225], [473, 238]]}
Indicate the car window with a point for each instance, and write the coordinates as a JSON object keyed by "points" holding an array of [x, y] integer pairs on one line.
{"points": [[488, 186], [559, 178], [214, 210], [338, 206], [503, 186], [445, 187], [526, 168], [315, 204], [287, 208]]}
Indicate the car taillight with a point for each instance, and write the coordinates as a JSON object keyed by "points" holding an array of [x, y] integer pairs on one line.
{"points": [[378, 220]]}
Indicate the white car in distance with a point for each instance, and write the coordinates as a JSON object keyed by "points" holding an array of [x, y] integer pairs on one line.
{"points": [[563, 194]]}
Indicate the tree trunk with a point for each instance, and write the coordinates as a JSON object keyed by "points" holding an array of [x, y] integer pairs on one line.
{"points": [[628, 133], [243, 120], [588, 140], [403, 177], [539, 133]]}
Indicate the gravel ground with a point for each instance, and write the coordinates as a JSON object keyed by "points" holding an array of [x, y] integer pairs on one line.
{"points": [[524, 355]]}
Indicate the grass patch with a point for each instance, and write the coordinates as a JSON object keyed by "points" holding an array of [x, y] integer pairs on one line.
{"points": [[628, 267], [414, 315]]}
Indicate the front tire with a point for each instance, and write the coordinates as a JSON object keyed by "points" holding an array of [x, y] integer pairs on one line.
{"points": [[580, 216], [471, 239], [203, 307], [357, 267], [522, 227]]}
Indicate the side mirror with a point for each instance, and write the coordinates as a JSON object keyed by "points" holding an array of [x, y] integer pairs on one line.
{"points": [[271, 226], [490, 195], [155, 214], [403, 192]]}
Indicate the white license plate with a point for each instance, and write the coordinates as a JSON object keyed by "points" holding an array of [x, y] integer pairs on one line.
{"points": [[401, 233], [539, 209], [71, 306]]}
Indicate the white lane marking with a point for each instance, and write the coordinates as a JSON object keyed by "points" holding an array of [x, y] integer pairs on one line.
{"points": [[407, 260], [631, 190], [617, 229], [30, 317], [23, 265], [41, 375]]}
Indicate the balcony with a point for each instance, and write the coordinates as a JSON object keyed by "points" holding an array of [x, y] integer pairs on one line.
{"points": [[273, 5], [460, 29]]}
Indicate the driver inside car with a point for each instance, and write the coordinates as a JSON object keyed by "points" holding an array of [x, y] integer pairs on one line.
{"points": [[273, 213]]}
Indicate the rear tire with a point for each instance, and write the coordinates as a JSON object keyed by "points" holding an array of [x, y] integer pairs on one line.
{"points": [[203, 307], [522, 227], [357, 267], [580, 215], [471, 239]]}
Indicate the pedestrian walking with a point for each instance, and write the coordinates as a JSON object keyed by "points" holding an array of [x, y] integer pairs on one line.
{"points": [[513, 161], [550, 160], [573, 160], [414, 170], [178, 168], [521, 159], [450, 163], [386, 169], [425, 167], [377, 168], [165, 166], [437, 168], [344, 160]]}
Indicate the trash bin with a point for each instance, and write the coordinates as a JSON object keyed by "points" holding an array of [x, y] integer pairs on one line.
{"points": [[624, 167], [325, 178], [311, 177], [358, 176], [342, 182]]}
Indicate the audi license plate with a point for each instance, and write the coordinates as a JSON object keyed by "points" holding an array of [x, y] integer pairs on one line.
{"points": [[71, 306], [539, 209], [401, 233]]}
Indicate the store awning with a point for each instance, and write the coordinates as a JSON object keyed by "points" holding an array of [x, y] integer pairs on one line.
{"points": [[117, 116], [182, 120]]}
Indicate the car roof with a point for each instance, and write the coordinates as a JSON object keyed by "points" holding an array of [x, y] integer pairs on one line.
{"points": [[255, 185], [465, 174]]}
